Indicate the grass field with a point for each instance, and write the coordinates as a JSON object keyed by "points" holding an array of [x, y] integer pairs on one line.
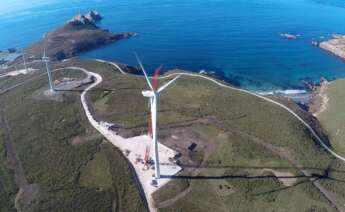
{"points": [[7, 185], [244, 135], [333, 118], [241, 142], [62, 154]]}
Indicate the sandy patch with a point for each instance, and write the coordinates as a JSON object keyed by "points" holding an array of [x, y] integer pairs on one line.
{"points": [[286, 178], [77, 141], [46, 94], [19, 72], [320, 100]]}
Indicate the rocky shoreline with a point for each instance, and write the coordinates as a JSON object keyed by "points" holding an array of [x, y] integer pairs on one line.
{"points": [[336, 45]]}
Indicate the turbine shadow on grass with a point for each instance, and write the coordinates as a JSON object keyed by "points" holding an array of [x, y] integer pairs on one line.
{"points": [[201, 177], [286, 187], [304, 179], [309, 178], [258, 167]]}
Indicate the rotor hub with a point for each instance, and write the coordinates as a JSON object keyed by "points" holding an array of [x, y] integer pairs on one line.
{"points": [[147, 93]]}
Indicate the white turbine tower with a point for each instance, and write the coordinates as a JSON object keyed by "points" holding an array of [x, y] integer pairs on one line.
{"points": [[153, 95], [24, 60], [45, 59]]}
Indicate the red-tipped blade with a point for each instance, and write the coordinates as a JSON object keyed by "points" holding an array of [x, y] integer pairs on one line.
{"points": [[149, 125], [155, 77], [147, 154]]}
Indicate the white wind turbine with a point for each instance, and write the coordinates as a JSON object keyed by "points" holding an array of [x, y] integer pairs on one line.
{"points": [[153, 95], [45, 59], [24, 60]]}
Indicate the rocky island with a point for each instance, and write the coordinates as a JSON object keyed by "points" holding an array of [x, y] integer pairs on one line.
{"points": [[80, 34], [336, 45], [289, 36]]}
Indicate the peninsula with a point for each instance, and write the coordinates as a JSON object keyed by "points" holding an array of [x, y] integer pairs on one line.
{"points": [[80, 34], [336, 45]]}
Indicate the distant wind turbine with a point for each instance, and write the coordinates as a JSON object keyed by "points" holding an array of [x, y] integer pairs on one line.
{"points": [[153, 95], [45, 59], [24, 60]]}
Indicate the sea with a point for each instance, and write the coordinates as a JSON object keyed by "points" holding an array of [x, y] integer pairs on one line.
{"points": [[238, 40]]}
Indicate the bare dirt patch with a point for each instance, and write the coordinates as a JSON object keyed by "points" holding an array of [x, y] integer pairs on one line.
{"points": [[193, 146], [319, 101], [77, 141], [286, 178], [26, 198], [45, 94]]}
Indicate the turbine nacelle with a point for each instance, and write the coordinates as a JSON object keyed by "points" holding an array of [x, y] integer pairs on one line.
{"points": [[45, 60], [149, 94]]}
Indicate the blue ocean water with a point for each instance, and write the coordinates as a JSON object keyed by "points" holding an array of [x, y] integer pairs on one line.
{"points": [[238, 39]]}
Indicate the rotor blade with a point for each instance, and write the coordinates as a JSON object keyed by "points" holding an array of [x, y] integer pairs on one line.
{"points": [[142, 68], [155, 77], [167, 84], [44, 51], [149, 124]]}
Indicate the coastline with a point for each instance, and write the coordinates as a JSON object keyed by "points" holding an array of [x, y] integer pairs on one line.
{"points": [[319, 99], [298, 94], [301, 97], [336, 46]]}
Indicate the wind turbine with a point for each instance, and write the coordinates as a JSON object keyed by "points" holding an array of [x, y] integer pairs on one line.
{"points": [[45, 59], [24, 60], [153, 95]]}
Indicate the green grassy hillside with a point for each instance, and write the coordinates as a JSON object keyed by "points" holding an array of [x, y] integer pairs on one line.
{"points": [[333, 118], [247, 149], [68, 161], [250, 155]]}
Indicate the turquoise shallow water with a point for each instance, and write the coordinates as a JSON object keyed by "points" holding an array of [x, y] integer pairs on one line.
{"points": [[238, 39]]}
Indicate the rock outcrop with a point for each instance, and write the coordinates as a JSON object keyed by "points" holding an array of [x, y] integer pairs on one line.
{"points": [[94, 16], [336, 45], [89, 18], [289, 36]]}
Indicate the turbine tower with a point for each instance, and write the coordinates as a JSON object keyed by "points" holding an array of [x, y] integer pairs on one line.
{"points": [[153, 95], [24, 60], [45, 59]]}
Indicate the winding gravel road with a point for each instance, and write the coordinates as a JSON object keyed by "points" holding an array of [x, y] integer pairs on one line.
{"points": [[311, 130], [99, 80]]}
